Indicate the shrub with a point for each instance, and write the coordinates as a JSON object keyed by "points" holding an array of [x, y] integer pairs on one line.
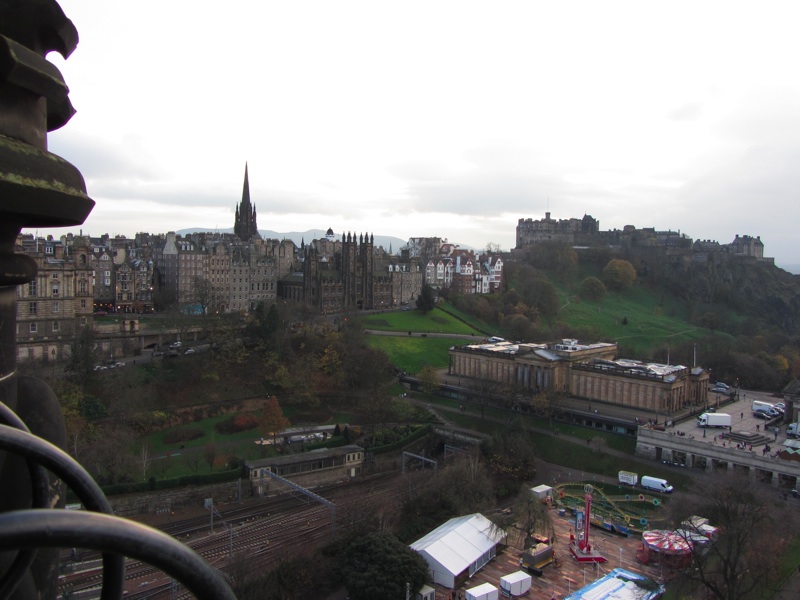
{"points": [[179, 436], [236, 424]]}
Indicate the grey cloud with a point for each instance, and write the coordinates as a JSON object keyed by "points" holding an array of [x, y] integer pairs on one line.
{"points": [[98, 159]]}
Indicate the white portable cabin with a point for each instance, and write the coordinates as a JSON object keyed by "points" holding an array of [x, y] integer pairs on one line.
{"points": [[542, 492], [515, 584], [426, 592], [484, 591]]}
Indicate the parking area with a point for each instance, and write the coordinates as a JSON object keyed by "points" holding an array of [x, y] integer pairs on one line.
{"points": [[742, 419]]}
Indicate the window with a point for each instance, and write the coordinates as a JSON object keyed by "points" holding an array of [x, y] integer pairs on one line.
{"points": [[32, 308], [55, 275], [83, 302], [48, 249], [107, 274], [82, 286], [32, 288], [56, 307], [34, 327], [55, 290], [55, 325]]}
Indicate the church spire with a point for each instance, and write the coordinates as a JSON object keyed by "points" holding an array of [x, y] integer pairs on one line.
{"points": [[245, 225]]}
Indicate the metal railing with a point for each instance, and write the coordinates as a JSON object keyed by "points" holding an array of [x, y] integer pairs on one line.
{"points": [[96, 528]]}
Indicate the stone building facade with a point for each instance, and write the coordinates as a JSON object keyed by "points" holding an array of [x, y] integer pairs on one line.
{"points": [[589, 371], [53, 307]]}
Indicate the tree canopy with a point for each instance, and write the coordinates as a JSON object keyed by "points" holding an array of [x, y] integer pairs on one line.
{"points": [[379, 565], [82, 356], [619, 275], [591, 288], [426, 301], [744, 560], [273, 420]]}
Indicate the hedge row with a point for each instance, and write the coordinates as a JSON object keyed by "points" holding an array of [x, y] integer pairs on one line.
{"points": [[165, 484]]}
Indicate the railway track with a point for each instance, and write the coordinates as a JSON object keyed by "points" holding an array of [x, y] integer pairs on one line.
{"points": [[245, 538]]}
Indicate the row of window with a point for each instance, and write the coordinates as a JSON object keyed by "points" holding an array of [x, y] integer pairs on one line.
{"points": [[33, 307], [55, 326]]}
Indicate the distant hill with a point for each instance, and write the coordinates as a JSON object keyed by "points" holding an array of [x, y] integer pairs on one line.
{"points": [[297, 237]]}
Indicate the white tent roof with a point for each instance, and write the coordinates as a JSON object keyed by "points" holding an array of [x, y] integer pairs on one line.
{"points": [[460, 541]]}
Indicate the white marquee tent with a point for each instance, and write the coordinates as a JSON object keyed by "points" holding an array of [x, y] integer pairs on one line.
{"points": [[459, 547]]}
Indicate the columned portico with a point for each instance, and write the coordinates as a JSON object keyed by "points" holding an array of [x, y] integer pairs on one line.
{"points": [[663, 445]]}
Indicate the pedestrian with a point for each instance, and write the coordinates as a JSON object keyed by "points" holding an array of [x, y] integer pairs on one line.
{"points": [[704, 433], [758, 427], [742, 416]]}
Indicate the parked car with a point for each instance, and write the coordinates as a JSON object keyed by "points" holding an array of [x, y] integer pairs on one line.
{"points": [[158, 353], [769, 413], [119, 364], [781, 406], [189, 351], [100, 368]]}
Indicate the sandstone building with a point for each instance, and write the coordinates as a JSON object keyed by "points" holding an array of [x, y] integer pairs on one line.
{"points": [[590, 371]]}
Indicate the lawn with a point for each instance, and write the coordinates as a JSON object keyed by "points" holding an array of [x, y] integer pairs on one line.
{"points": [[636, 319], [412, 353], [416, 321]]}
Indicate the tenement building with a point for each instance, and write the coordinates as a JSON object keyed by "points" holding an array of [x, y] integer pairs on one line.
{"points": [[589, 371], [57, 303]]}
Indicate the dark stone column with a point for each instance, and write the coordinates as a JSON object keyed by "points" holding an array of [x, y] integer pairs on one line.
{"points": [[37, 189]]}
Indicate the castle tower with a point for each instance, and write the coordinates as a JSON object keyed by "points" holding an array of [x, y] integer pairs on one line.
{"points": [[245, 225]]}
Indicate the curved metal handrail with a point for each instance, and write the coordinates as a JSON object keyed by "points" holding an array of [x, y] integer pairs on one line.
{"points": [[29, 529], [56, 528]]}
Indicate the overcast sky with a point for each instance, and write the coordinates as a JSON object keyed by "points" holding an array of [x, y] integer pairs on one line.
{"points": [[452, 119]]}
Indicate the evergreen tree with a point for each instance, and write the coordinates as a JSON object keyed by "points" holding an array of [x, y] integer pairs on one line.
{"points": [[82, 356], [426, 301], [379, 565]]}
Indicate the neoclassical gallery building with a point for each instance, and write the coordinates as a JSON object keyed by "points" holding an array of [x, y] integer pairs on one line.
{"points": [[590, 371]]}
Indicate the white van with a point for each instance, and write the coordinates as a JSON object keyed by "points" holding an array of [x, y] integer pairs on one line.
{"points": [[656, 484]]}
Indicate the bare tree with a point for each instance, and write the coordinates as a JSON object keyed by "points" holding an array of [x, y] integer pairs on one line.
{"points": [[146, 458], [529, 516], [210, 454], [192, 460], [203, 293], [744, 559], [161, 465]]}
